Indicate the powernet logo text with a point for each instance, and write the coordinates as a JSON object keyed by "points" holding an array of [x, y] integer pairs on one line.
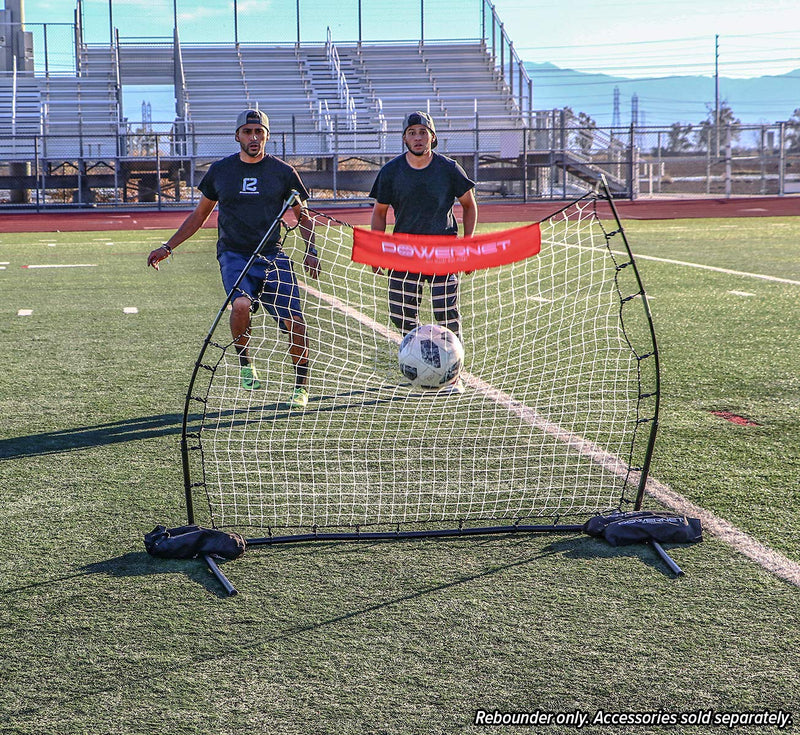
{"points": [[455, 253], [441, 254]]}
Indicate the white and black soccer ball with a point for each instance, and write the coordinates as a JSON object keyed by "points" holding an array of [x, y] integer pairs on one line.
{"points": [[431, 357]]}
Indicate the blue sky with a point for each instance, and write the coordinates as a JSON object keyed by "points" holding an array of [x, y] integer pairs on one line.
{"points": [[634, 38]]}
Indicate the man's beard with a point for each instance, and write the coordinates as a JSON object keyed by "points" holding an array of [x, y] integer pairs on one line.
{"points": [[415, 153], [246, 150]]}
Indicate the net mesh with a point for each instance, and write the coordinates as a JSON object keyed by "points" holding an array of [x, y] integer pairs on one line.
{"points": [[560, 382]]}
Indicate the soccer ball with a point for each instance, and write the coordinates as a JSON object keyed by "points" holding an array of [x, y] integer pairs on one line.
{"points": [[431, 357]]}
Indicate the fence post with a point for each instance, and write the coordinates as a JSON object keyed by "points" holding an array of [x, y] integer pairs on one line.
{"points": [[782, 159], [660, 163], [335, 158], [728, 163], [525, 164], [631, 166], [36, 167], [475, 155], [158, 169]]}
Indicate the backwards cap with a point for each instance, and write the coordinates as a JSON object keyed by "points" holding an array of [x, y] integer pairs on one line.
{"points": [[253, 117], [420, 118]]}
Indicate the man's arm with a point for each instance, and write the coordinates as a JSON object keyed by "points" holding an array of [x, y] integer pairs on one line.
{"points": [[379, 216], [470, 207], [306, 224], [380, 212], [188, 227]]}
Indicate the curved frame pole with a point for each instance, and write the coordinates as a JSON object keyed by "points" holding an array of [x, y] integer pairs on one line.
{"points": [[654, 426]]}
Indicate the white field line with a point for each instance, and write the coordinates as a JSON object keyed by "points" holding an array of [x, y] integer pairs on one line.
{"points": [[726, 271], [742, 542], [64, 265], [687, 264]]}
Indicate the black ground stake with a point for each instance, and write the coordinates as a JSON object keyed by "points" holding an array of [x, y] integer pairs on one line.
{"points": [[668, 560], [220, 575]]}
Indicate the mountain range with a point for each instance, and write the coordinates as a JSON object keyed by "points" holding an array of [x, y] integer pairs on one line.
{"points": [[663, 101]]}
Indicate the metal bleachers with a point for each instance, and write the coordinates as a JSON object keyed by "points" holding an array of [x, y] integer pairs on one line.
{"points": [[81, 116], [343, 96], [278, 83], [20, 117]]}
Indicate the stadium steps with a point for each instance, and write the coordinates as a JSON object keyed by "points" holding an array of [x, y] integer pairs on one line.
{"points": [[471, 85], [589, 172], [395, 74]]}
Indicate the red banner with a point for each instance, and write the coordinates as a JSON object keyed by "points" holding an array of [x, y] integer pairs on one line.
{"points": [[440, 254]]}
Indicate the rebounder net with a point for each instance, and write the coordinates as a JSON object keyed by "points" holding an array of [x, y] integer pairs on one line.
{"points": [[556, 422]]}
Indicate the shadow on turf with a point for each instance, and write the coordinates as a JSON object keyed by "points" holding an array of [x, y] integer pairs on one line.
{"points": [[590, 549], [66, 440], [167, 424], [137, 564], [141, 564]]}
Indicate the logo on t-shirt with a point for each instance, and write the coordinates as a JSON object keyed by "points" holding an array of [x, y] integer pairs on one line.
{"points": [[249, 185]]}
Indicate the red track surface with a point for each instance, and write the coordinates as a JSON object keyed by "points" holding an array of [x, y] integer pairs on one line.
{"points": [[116, 219]]}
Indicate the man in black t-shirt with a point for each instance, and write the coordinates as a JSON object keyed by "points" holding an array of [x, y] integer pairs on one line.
{"points": [[421, 187], [251, 187]]}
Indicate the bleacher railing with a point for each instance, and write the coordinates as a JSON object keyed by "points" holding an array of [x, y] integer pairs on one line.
{"points": [[342, 88], [510, 67]]}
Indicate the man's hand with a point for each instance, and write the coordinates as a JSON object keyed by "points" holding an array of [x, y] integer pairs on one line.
{"points": [[157, 255], [311, 263]]}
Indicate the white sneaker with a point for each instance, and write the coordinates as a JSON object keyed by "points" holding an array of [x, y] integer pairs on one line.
{"points": [[454, 389]]}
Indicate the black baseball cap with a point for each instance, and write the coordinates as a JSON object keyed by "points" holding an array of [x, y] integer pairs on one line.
{"points": [[420, 118], [253, 117]]}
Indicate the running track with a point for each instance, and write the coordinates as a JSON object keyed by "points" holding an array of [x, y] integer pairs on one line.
{"points": [[141, 219]]}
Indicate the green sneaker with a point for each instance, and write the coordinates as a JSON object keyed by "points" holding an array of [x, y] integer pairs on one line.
{"points": [[299, 399], [249, 378]]}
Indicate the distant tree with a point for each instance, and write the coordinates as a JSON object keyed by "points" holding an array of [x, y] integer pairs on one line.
{"points": [[708, 136], [793, 132], [581, 129], [586, 130], [678, 138]]}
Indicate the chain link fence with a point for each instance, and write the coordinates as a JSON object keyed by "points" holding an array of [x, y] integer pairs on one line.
{"points": [[144, 167]]}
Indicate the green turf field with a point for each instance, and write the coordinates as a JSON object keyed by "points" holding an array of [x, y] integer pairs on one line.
{"points": [[385, 637]]}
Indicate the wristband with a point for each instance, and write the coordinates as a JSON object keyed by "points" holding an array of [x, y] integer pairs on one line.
{"points": [[167, 248], [311, 250]]}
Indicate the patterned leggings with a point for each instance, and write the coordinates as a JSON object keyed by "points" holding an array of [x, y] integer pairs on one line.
{"points": [[405, 295]]}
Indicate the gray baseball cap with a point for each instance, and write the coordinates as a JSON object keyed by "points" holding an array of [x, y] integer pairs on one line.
{"points": [[420, 118], [253, 117]]}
